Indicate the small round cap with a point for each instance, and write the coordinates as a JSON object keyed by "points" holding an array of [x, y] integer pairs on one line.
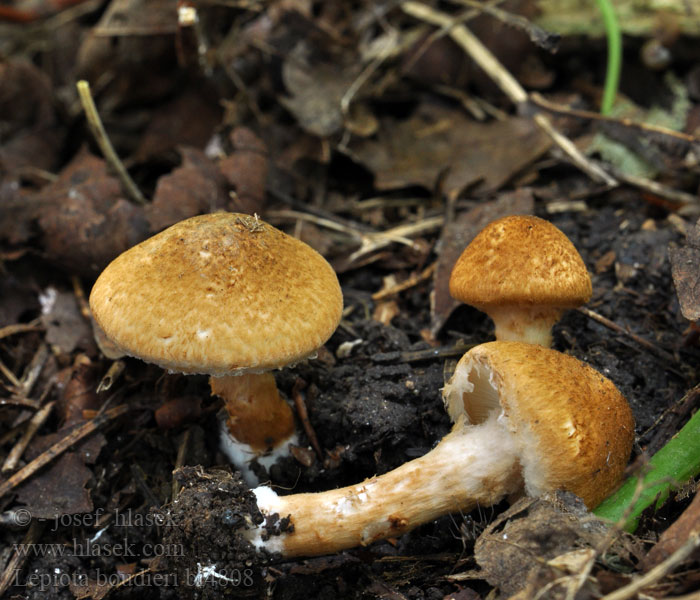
{"points": [[220, 294], [573, 428], [521, 260]]}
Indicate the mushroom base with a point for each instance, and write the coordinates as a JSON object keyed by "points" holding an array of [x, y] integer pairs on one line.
{"points": [[258, 416], [245, 458]]}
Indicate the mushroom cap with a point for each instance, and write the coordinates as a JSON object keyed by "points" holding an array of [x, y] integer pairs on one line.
{"points": [[573, 428], [221, 294], [520, 260]]}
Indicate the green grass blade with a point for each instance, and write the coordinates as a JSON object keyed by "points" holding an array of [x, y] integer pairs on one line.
{"points": [[612, 74], [669, 468]]}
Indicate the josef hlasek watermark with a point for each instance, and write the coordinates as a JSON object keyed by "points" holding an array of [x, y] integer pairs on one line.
{"points": [[113, 534]]}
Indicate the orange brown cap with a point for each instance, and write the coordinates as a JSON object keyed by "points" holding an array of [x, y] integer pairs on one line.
{"points": [[521, 260], [523, 272], [573, 428], [222, 293]]}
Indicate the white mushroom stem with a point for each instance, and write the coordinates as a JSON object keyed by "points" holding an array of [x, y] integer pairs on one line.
{"points": [[529, 324], [473, 465]]}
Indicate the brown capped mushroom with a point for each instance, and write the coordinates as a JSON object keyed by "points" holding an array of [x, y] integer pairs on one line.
{"points": [[527, 419], [227, 295], [523, 272]]}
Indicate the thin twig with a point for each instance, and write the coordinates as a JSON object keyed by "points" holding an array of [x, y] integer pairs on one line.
{"points": [[61, 446], [16, 383], [19, 401], [300, 405], [100, 135], [8, 330], [658, 572], [389, 46], [316, 220], [617, 328], [595, 172], [11, 572], [32, 427], [31, 373], [180, 460], [79, 294], [369, 241], [654, 187], [400, 234], [414, 280], [470, 44], [678, 136], [544, 39], [483, 57]]}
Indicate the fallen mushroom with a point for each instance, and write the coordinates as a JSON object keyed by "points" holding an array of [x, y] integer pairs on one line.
{"points": [[523, 272], [527, 419], [227, 295]]}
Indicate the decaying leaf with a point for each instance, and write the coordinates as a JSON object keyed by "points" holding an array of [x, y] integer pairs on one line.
{"points": [[60, 488], [66, 329], [172, 125], [438, 141], [315, 92], [28, 132], [513, 552], [194, 188], [685, 268], [245, 170], [84, 219]]}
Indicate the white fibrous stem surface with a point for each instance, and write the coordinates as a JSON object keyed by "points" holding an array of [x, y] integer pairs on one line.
{"points": [[529, 324], [241, 454], [473, 465]]}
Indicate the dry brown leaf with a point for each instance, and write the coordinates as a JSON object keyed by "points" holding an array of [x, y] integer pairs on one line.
{"points": [[28, 132], [172, 125], [66, 329], [61, 487], [245, 170], [194, 188], [315, 92], [84, 219], [438, 141], [685, 268], [513, 550]]}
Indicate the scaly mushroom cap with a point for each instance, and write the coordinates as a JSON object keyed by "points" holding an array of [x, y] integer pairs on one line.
{"points": [[521, 260], [573, 428], [219, 294]]}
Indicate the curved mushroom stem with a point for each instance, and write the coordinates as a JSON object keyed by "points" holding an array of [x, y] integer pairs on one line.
{"points": [[528, 419], [529, 324], [473, 465]]}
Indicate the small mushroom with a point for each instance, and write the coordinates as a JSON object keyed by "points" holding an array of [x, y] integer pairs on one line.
{"points": [[527, 419], [227, 295], [523, 272]]}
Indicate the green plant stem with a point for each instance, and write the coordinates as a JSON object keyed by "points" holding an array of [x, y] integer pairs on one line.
{"points": [[612, 74], [669, 468]]}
